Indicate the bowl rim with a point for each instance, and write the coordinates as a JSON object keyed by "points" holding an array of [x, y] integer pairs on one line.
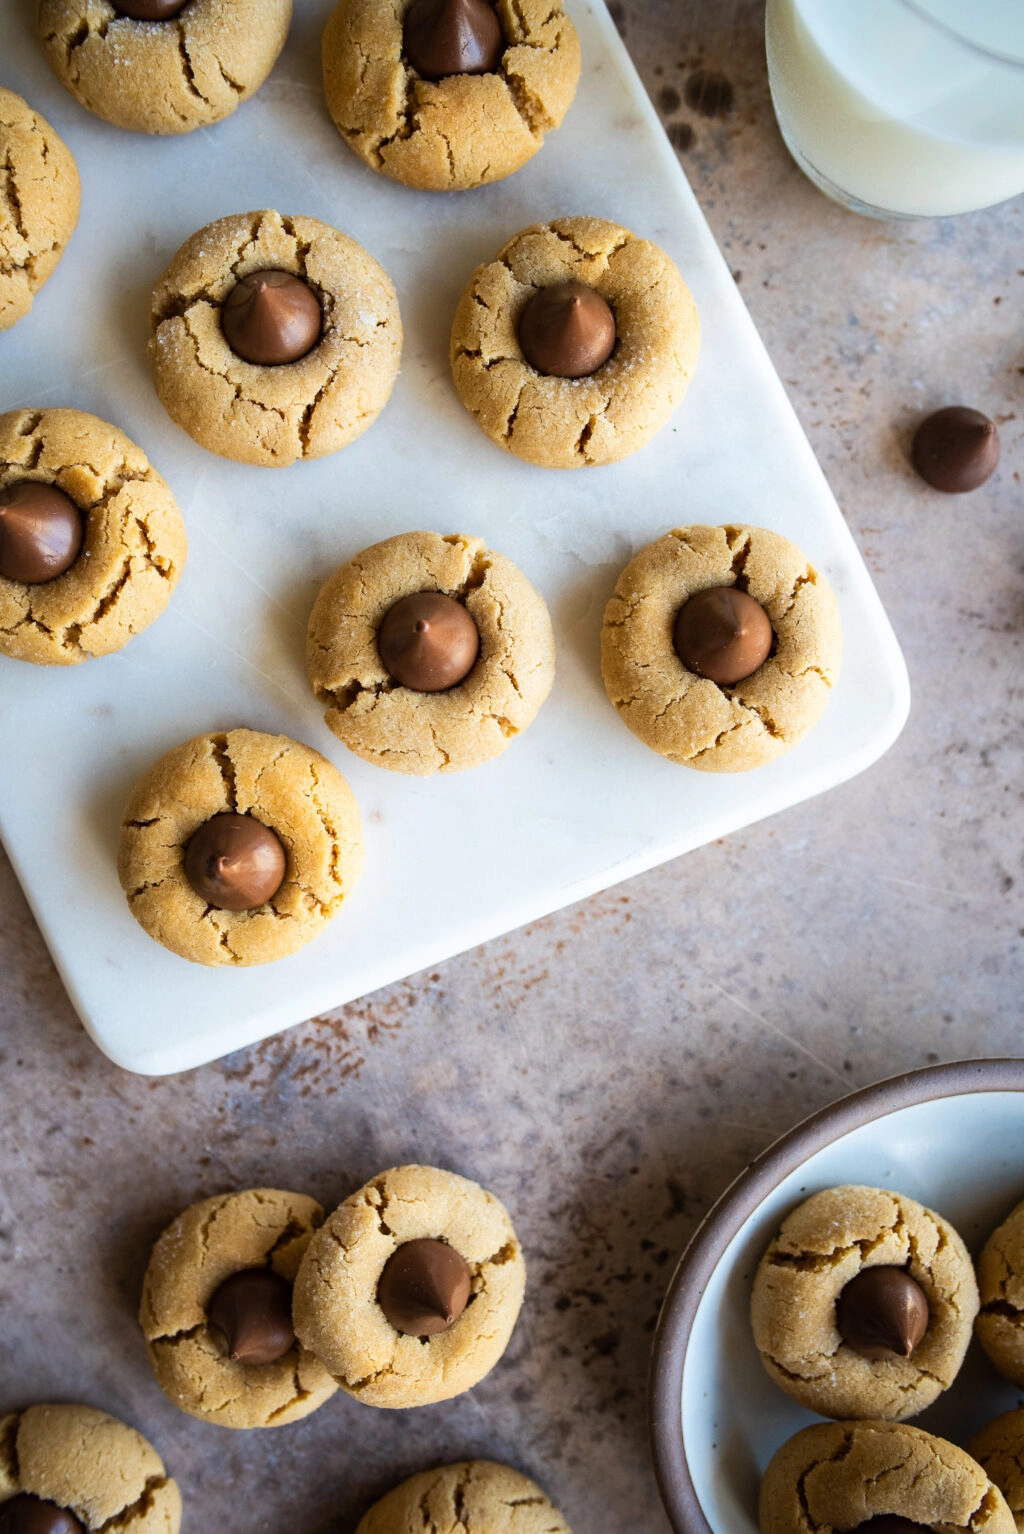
{"points": [[729, 1212]]}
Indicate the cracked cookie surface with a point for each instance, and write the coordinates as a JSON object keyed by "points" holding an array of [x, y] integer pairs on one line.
{"points": [[571, 423], [258, 1228], [289, 787], [689, 718], [335, 1307], [100, 1469], [822, 1245], [461, 131], [477, 1496], [163, 76], [40, 196], [837, 1475], [417, 732], [999, 1450], [274, 415], [1000, 1323], [134, 546]]}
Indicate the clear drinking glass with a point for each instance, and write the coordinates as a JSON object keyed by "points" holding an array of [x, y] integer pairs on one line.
{"points": [[902, 108]]}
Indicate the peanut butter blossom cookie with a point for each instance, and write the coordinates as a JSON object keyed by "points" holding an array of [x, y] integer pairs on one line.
{"points": [[474, 1497], [39, 202], [863, 1304], [720, 646], [432, 653], [162, 66], [216, 1310], [274, 338], [1000, 1324], [879, 1478], [448, 94], [238, 848], [575, 344], [74, 1470], [91, 539], [409, 1292], [999, 1450]]}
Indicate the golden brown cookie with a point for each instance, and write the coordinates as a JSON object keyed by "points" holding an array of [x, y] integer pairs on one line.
{"points": [[163, 76], [1000, 1323], [689, 718], [569, 423], [335, 1307], [474, 1497], [824, 1243], [101, 1470], [39, 201], [133, 550], [836, 1476], [259, 1228], [287, 786], [420, 732], [464, 130], [999, 1450], [274, 415]]}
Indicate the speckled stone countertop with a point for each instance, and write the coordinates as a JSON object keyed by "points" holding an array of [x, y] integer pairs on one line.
{"points": [[608, 1070]]}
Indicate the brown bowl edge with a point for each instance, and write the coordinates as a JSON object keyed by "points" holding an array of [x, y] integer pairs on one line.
{"points": [[728, 1213]]}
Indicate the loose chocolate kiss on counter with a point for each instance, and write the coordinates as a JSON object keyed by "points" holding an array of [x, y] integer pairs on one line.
{"points": [[25, 1514], [722, 634], [883, 1313], [235, 862], [452, 37], [567, 330], [149, 10], [271, 317], [252, 1313], [41, 531], [428, 642], [956, 449], [424, 1288]]}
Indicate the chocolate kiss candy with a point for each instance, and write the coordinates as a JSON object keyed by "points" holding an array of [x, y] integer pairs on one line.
{"points": [[956, 449], [428, 642], [235, 862], [723, 634], [424, 1288], [25, 1514], [270, 318], [149, 10], [452, 37], [891, 1523], [40, 532], [882, 1313], [567, 330], [252, 1310]]}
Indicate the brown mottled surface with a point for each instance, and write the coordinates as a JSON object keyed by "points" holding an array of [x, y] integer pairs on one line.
{"points": [[606, 1071]]}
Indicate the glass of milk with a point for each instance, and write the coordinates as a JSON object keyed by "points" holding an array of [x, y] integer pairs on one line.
{"points": [[902, 108]]}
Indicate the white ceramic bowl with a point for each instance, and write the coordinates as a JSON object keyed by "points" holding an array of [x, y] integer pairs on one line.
{"points": [[951, 1136]]}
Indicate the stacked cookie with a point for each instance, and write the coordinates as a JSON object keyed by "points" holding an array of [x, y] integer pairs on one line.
{"points": [[863, 1308], [256, 1309]]}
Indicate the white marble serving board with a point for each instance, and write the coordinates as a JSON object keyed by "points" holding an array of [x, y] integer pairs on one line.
{"points": [[575, 804]]}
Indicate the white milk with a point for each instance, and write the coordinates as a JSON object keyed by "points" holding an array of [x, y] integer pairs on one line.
{"points": [[890, 111]]}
